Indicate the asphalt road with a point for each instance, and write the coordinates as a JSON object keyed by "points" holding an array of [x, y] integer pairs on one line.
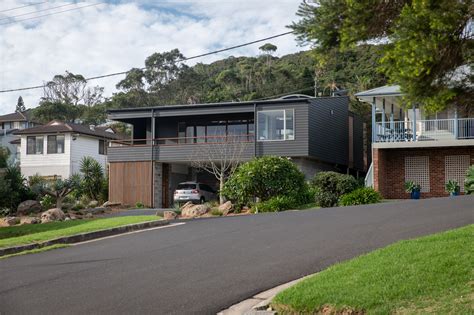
{"points": [[206, 265]]}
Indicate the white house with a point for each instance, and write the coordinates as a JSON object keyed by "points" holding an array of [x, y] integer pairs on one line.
{"points": [[55, 150]]}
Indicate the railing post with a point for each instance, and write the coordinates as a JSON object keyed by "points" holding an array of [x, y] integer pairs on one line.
{"points": [[383, 119], [414, 122], [373, 120], [456, 129]]}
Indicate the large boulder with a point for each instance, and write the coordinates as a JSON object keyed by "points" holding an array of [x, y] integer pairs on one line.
{"points": [[110, 204], [168, 215], [52, 215], [27, 207], [192, 211], [226, 207], [30, 220], [9, 221]]}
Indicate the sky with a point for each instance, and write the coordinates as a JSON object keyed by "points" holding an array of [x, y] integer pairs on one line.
{"points": [[115, 36]]}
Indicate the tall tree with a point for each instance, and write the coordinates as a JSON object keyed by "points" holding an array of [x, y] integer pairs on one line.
{"points": [[20, 105]]}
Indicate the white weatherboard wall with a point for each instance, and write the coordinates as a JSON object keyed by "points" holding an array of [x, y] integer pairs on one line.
{"points": [[85, 146], [46, 164]]}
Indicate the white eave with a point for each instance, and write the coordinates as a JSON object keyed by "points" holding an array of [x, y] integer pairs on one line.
{"points": [[380, 92]]}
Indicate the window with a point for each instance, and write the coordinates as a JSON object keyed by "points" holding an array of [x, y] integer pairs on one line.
{"points": [[417, 169], [186, 186], [34, 145], [55, 144], [102, 147], [455, 168], [276, 125]]}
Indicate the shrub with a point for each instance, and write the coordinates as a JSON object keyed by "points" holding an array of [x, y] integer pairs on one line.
{"points": [[469, 181], [139, 205], [58, 189], [216, 212], [4, 154], [360, 196], [330, 186], [265, 178], [92, 178], [276, 204], [47, 202], [13, 189], [4, 212]]}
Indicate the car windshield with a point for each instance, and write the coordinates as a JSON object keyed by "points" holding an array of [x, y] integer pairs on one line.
{"points": [[186, 186]]}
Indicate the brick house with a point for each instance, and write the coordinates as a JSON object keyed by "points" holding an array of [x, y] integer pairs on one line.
{"points": [[413, 145]]}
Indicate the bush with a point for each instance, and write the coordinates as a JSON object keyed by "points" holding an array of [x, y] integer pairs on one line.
{"points": [[360, 196], [330, 186], [13, 189], [92, 183], [216, 212], [47, 202], [139, 205], [265, 178], [469, 181], [276, 204]]}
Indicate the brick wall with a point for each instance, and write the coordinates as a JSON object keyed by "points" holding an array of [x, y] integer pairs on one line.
{"points": [[389, 169]]}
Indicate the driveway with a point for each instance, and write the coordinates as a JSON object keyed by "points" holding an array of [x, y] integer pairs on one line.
{"points": [[203, 266]]}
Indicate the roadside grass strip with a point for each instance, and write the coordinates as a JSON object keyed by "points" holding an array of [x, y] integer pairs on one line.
{"points": [[429, 275], [33, 233]]}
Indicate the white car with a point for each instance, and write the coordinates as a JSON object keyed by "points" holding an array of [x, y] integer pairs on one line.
{"points": [[194, 192]]}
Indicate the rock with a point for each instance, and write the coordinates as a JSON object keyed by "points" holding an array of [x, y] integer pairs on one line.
{"points": [[89, 215], [109, 204], [226, 207], [27, 207], [67, 218], [192, 211], [169, 215], [9, 221], [186, 205], [93, 204], [52, 215], [29, 220]]}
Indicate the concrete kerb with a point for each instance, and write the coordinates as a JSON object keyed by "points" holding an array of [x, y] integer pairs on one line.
{"points": [[84, 236], [259, 303]]}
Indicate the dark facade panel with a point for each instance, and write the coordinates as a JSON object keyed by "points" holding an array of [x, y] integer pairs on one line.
{"points": [[358, 143], [191, 152], [328, 131], [129, 154], [224, 109], [129, 114]]}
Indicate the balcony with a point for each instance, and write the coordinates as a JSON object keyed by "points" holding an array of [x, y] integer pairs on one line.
{"points": [[440, 130]]}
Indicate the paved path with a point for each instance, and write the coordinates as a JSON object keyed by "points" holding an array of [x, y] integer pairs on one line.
{"points": [[204, 266]]}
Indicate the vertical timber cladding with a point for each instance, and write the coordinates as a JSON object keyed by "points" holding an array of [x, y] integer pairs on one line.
{"points": [[130, 182]]}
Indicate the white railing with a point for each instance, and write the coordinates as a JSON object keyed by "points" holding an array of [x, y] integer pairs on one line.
{"points": [[424, 130], [369, 178]]}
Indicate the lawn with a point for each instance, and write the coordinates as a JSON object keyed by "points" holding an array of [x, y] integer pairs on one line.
{"points": [[429, 275], [31, 233]]}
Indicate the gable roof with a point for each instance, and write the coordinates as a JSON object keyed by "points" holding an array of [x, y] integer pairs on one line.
{"points": [[17, 116], [61, 127]]}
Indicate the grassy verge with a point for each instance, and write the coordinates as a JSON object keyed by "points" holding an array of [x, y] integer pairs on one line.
{"points": [[429, 275], [38, 250], [31, 233]]}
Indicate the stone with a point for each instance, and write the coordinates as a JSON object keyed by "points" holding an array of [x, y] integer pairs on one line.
{"points": [[226, 207], [186, 205], [52, 215], [168, 215], [30, 220], [89, 215], [27, 207], [9, 221], [192, 211], [67, 218], [93, 204], [110, 204]]}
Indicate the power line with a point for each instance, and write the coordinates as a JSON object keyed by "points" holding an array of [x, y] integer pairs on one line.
{"points": [[37, 11], [181, 60], [40, 16], [23, 6]]}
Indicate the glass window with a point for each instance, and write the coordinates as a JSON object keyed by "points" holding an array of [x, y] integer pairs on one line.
{"points": [[34, 145], [201, 134], [276, 125], [182, 132], [190, 134], [186, 186], [216, 132], [55, 144], [102, 147]]}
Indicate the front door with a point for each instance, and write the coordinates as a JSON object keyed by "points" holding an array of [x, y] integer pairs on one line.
{"points": [[165, 186]]}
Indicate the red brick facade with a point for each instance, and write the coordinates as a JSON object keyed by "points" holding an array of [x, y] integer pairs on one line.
{"points": [[389, 169]]}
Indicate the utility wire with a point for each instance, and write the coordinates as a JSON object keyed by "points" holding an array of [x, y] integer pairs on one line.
{"points": [[23, 6], [49, 14], [37, 11], [181, 60]]}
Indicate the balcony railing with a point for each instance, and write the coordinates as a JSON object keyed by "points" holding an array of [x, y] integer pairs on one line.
{"points": [[424, 130], [179, 141]]}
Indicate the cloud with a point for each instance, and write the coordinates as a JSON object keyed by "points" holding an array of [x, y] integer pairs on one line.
{"points": [[117, 36]]}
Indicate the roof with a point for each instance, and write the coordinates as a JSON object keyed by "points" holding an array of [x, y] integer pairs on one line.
{"points": [[386, 90], [61, 127], [17, 116]]}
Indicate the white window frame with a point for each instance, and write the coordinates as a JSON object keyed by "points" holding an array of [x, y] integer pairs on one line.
{"points": [[256, 125]]}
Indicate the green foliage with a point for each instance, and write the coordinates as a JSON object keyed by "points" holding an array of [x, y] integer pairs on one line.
{"points": [[216, 212], [330, 186], [411, 186], [58, 189], [93, 179], [13, 188], [4, 154], [360, 196], [47, 202], [452, 186], [469, 181], [20, 105], [264, 177], [139, 205], [276, 204]]}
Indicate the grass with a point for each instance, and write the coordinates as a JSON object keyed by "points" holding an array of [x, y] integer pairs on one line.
{"points": [[429, 275], [31, 233]]}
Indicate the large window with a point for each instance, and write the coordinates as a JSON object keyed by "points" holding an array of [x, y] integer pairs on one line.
{"points": [[276, 125], [55, 144], [34, 145], [102, 147], [215, 131]]}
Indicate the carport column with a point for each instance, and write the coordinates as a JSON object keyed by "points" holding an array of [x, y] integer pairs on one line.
{"points": [[158, 185]]}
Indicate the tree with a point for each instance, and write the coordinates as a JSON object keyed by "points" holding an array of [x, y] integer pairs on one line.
{"points": [[268, 49], [429, 42], [220, 158], [92, 177], [59, 188], [20, 105], [13, 188]]}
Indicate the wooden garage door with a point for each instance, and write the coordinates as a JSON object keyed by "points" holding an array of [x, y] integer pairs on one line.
{"points": [[130, 182]]}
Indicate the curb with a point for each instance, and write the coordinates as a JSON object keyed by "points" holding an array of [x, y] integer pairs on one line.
{"points": [[259, 303], [84, 237]]}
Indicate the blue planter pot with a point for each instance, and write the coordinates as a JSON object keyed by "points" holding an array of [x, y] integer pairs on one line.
{"points": [[454, 193], [415, 195]]}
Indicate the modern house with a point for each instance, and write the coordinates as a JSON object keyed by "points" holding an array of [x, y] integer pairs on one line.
{"points": [[10, 123], [413, 145], [316, 133], [55, 150]]}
